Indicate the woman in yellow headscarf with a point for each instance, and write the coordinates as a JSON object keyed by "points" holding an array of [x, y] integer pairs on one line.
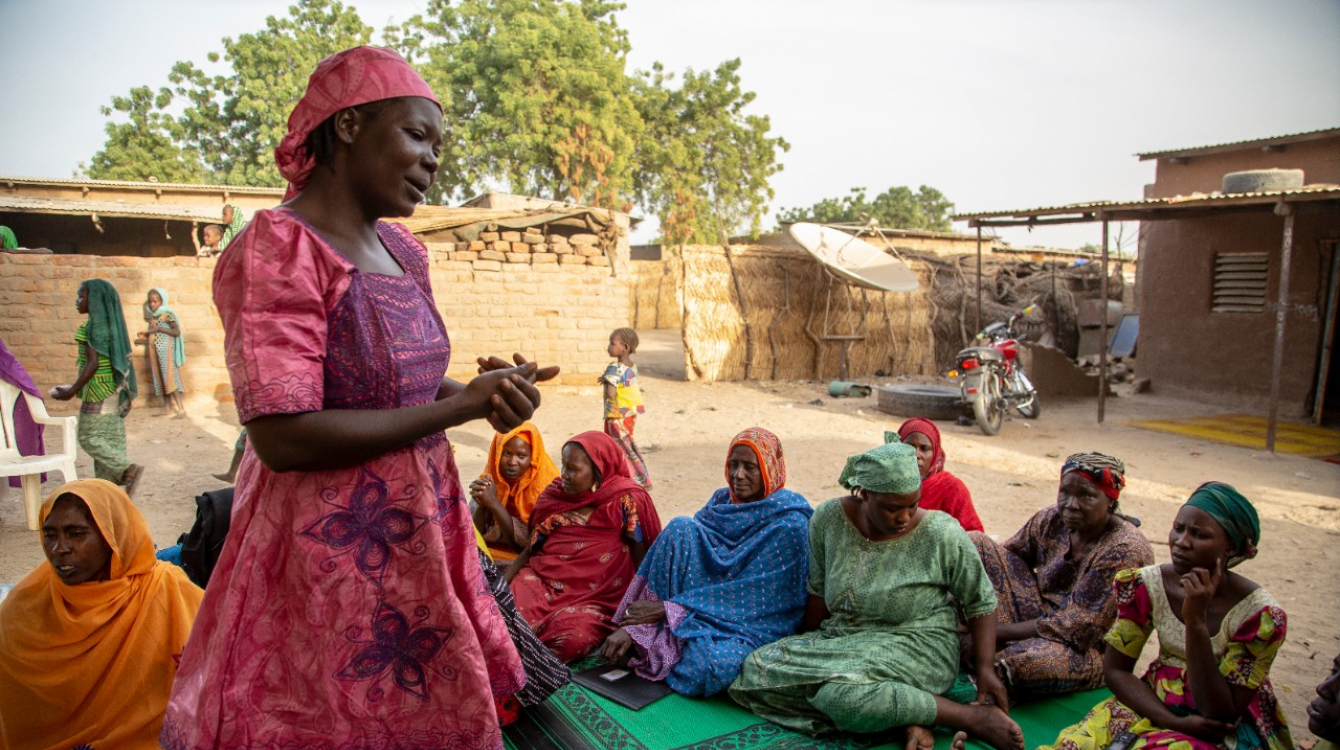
{"points": [[90, 640], [518, 470]]}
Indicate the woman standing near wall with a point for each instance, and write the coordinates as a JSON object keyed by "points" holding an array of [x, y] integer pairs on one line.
{"points": [[105, 384]]}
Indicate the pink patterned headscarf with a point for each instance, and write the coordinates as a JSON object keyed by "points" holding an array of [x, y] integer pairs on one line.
{"points": [[345, 79]]}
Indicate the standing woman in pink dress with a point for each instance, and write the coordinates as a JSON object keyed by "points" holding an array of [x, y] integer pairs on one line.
{"points": [[348, 607]]}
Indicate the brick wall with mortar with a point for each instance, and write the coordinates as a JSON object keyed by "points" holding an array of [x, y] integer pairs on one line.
{"points": [[554, 307]]}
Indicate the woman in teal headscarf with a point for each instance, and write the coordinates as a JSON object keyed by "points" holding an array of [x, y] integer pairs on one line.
{"points": [[105, 385], [879, 643], [165, 351], [1218, 635], [232, 224]]}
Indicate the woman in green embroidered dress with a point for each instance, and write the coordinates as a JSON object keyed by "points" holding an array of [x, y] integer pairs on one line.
{"points": [[105, 384], [879, 644]]}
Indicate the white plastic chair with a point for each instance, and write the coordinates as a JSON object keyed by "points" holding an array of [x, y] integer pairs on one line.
{"points": [[30, 468]]}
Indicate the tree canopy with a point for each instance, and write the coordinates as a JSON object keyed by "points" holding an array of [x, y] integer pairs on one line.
{"points": [[223, 128], [895, 208], [537, 100]]}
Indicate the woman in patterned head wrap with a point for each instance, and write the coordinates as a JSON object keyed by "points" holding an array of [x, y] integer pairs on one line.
{"points": [[1054, 581], [879, 643], [365, 625], [106, 383], [718, 585], [1218, 632]]}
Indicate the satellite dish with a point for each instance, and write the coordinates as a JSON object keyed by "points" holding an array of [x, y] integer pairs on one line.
{"points": [[855, 260]]}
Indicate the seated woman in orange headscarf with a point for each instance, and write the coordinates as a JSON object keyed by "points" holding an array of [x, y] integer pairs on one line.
{"points": [[518, 470], [90, 640]]}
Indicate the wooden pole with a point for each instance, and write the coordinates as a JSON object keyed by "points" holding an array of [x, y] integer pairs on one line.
{"points": [[1102, 352], [1281, 314], [1327, 336], [979, 280]]}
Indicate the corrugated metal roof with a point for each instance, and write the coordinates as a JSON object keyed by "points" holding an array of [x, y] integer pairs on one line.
{"points": [[1281, 140], [1198, 200], [183, 186], [22, 204], [425, 219]]}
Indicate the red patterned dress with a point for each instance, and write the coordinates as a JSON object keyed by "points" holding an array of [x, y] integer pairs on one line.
{"points": [[1246, 644], [348, 608]]}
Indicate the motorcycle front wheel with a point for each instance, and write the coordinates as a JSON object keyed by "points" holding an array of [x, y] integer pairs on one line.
{"points": [[987, 406], [1033, 408]]}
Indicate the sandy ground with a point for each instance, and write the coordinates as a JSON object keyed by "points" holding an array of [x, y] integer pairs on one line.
{"points": [[1011, 476]]}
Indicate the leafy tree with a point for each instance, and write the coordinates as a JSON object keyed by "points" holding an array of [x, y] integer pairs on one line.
{"points": [[704, 164], [229, 124], [536, 95], [895, 208], [147, 145]]}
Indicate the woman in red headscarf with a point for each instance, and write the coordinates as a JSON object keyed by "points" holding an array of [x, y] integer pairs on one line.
{"points": [[348, 607], [589, 532], [940, 490]]}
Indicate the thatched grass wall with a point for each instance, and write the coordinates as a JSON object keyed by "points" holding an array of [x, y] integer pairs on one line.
{"points": [[758, 313], [654, 300]]}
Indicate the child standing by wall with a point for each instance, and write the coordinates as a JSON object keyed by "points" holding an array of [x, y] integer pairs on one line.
{"points": [[623, 400]]}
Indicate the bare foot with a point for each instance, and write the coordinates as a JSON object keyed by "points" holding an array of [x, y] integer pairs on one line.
{"points": [[958, 742], [997, 729], [919, 738], [223, 477], [131, 477]]}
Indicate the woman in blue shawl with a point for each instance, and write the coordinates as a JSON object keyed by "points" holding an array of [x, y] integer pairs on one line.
{"points": [[715, 587]]}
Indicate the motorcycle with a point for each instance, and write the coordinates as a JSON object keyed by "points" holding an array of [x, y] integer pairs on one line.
{"points": [[992, 380]]}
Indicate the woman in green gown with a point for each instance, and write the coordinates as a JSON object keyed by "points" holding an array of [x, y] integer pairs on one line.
{"points": [[879, 645]]}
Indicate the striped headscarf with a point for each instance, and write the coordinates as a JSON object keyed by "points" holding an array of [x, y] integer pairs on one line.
{"points": [[768, 449], [1232, 511], [1106, 472], [234, 227]]}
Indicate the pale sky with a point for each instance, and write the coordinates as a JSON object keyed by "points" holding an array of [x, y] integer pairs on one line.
{"points": [[999, 104]]}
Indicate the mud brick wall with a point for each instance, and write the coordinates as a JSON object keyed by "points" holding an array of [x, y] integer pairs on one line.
{"points": [[554, 302]]}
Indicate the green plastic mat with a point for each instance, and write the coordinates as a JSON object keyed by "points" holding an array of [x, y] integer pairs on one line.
{"points": [[577, 719]]}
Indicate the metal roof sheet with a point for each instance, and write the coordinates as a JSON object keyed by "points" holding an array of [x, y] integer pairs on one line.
{"points": [[23, 204], [1197, 200], [1280, 140], [183, 186]]}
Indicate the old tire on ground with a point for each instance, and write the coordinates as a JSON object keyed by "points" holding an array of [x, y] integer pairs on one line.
{"points": [[929, 401], [1262, 180]]}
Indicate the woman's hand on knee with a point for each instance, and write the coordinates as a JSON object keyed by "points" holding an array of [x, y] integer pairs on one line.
{"points": [[644, 612]]}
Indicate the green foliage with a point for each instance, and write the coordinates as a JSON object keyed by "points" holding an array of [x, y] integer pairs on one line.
{"points": [[536, 96], [704, 164], [895, 208], [228, 124], [537, 101], [147, 145]]}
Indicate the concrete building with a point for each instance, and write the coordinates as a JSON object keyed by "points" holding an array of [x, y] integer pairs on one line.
{"points": [[1237, 292]]}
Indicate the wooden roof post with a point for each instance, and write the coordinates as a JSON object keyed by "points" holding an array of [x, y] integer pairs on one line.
{"points": [[979, 279], [1281, 313], [1102, 351]]}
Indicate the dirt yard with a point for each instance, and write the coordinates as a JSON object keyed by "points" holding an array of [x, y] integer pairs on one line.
{"points": [[1011, 476]]}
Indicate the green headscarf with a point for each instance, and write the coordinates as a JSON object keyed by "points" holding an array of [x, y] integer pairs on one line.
{"points": [[108, 336], [1232, 511], [7, 239], [178, 348], [889, 469], [234, 227]]}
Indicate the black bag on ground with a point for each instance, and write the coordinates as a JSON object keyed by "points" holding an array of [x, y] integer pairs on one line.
{"points": [[200, 547]]}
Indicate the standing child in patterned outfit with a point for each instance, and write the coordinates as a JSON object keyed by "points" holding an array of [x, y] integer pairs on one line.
{"points": [[623, 400]]}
